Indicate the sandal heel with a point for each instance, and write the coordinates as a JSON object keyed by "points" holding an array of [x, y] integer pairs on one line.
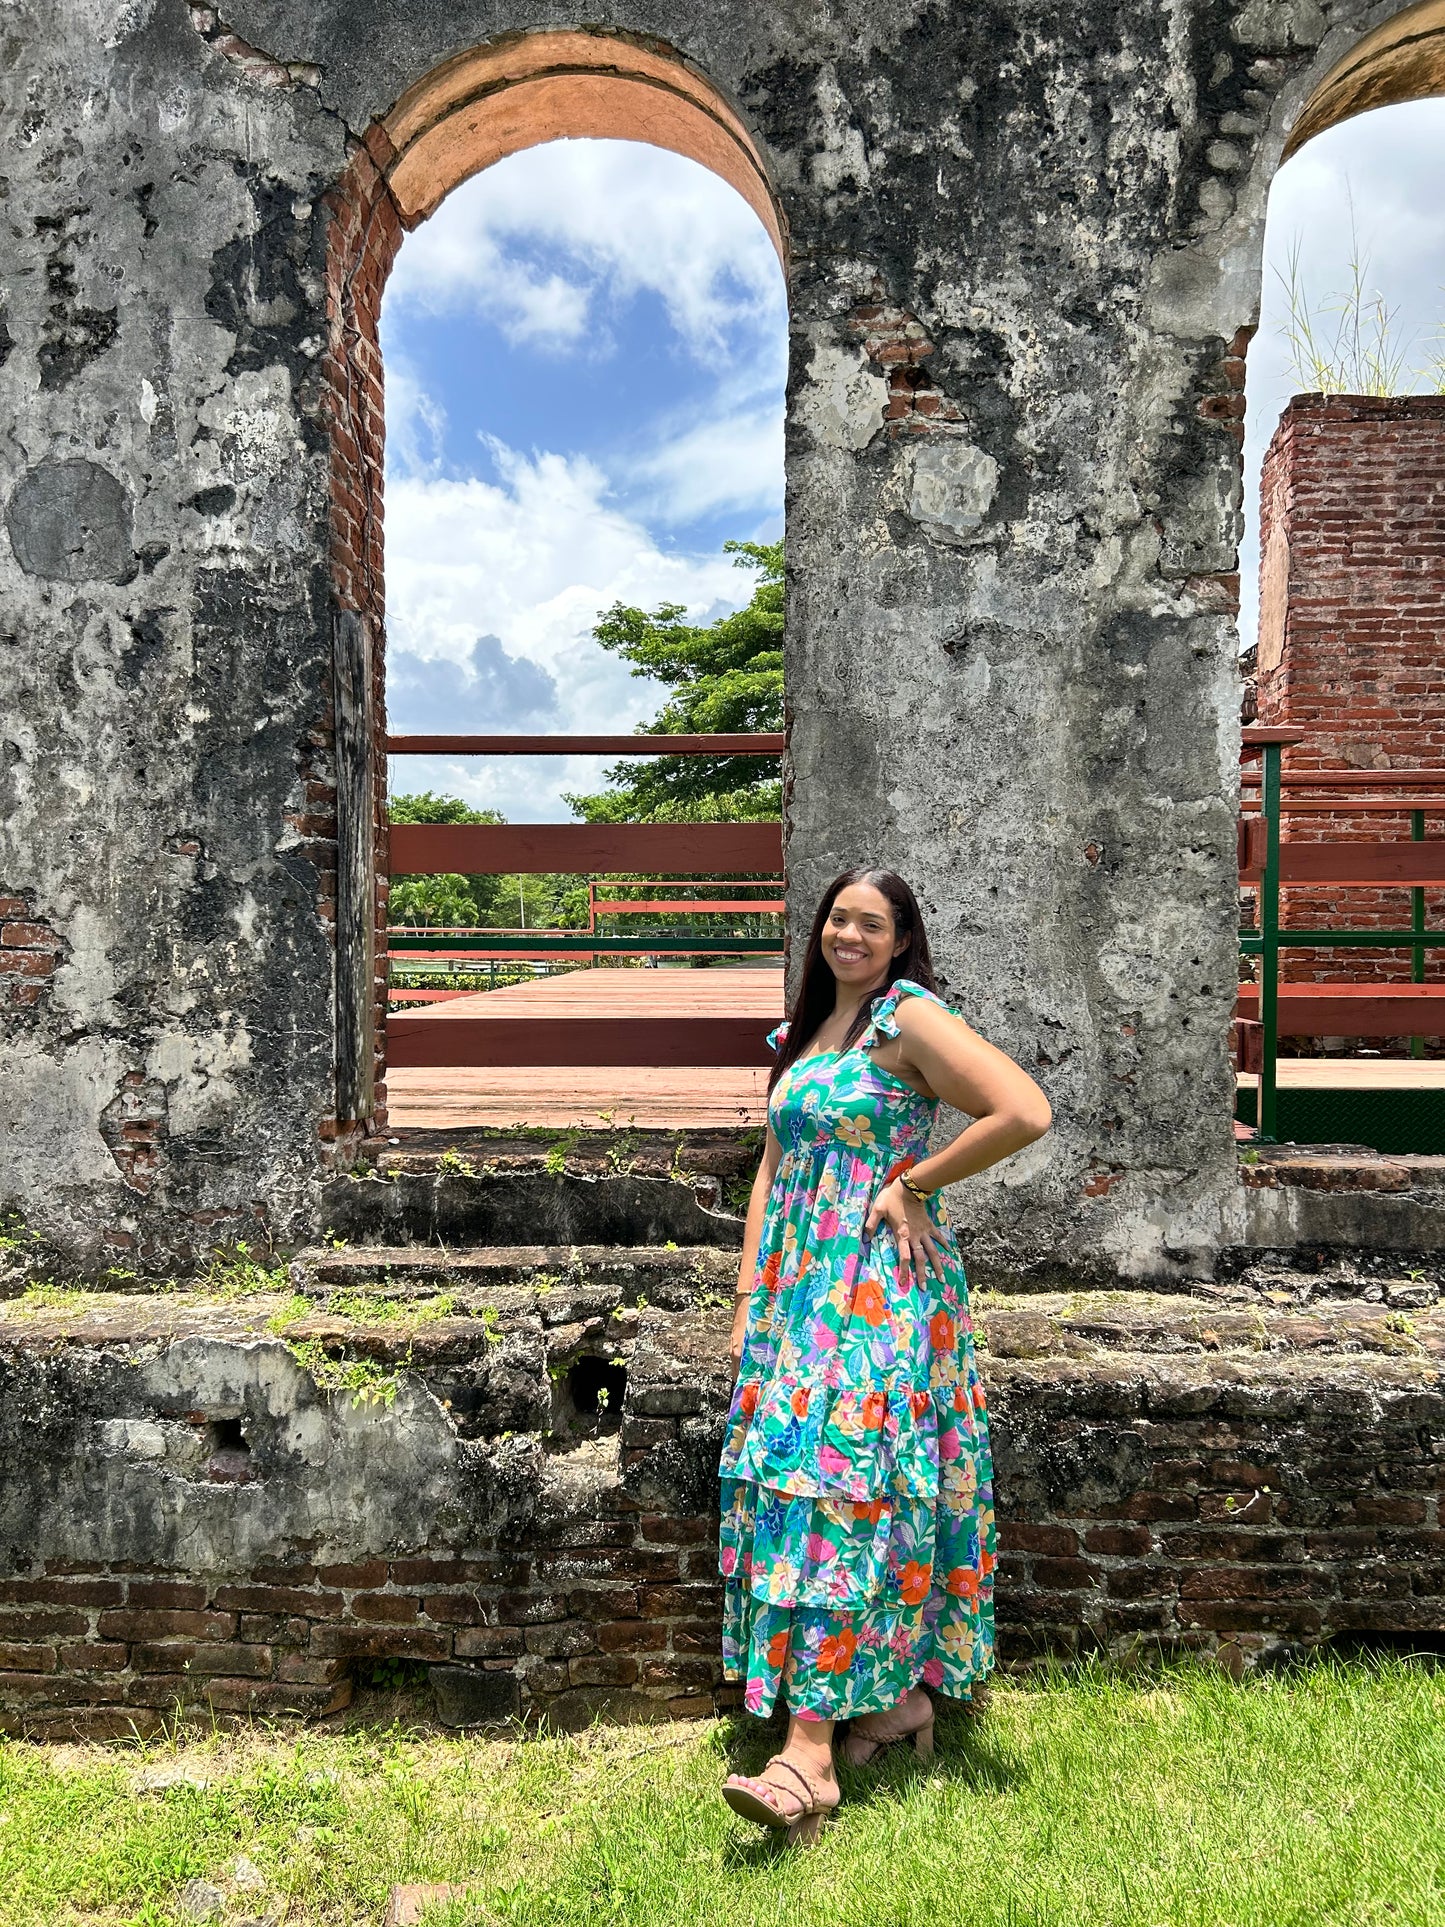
{"points": [[808, 1831], [923, 1741]]}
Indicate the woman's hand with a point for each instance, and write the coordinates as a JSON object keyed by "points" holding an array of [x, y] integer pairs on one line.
{"points": [[907, 1218], [739, 1332]]}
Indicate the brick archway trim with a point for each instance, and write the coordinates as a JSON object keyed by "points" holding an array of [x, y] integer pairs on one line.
{"points": [[496, 100]]}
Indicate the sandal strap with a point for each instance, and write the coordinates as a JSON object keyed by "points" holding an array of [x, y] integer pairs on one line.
{"points": [[814, 1797]]}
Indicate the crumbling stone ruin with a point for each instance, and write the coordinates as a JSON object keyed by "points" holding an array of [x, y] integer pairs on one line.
{"points": [[499, 1463], [1023, 257]]}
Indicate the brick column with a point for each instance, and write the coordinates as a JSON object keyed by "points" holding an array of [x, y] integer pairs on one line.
{"points": [[364, 234], [1351, 625]]}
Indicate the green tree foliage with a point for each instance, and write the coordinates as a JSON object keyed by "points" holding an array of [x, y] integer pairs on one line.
{"points": [[726, 675], [425, 807], [437, 902]]}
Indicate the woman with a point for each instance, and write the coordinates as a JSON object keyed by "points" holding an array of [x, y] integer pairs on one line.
{"points": [[857, 1543]]}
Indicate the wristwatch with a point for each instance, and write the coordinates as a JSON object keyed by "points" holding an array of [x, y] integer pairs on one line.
{"points": [[910, 1183]]}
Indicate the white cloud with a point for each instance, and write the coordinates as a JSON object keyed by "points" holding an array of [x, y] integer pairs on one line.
{"points": [[531, 560], [623, 218], [456, 264], [415, 421], [1389, 164], [425, 695], [726, 462]]}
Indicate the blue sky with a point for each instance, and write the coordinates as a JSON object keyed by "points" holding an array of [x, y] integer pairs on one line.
{"points": [[585, 357]]}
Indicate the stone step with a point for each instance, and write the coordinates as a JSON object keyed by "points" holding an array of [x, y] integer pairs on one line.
{"points": [[457, 1205], [1084, 1325], [728, 1155], [560, 1283], [510, 1307]]}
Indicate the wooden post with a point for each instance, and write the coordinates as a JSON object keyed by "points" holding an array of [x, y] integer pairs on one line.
{"points": [[355, 869]]}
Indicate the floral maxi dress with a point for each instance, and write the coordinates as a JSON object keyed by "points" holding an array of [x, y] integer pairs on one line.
{"points": [[857, 1543]]}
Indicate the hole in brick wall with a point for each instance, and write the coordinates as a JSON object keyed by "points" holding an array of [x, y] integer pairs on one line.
{"points": [[229, 1461], [1425, 1648], [587, 1400], [391, 1675], [597, 1387]]}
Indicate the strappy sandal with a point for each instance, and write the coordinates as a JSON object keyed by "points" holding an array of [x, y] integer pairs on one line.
{"points": [[860, 1747], [751, 1798]]}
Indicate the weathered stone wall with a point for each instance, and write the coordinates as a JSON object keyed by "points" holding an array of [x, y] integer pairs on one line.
{"points": [[197, 1514], [164, 723], [1022, 250]]}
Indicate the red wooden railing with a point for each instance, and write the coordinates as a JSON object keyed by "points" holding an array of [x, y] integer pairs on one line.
{"points": [[435, 1039], [573, 849], [737, 743]]}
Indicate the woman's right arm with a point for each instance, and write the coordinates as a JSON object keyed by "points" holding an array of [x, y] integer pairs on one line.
{"points": [[752, 1238]]}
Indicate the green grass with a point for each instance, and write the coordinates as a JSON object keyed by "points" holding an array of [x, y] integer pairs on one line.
{"points": [[47, 1297], [1084, 1800], [365, 1381]]}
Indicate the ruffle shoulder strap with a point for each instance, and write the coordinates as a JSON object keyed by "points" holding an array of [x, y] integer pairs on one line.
{"points": [[777, 1038], [884, 1021]]}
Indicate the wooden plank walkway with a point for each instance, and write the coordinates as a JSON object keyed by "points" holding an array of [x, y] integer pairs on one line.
{"points": [[736, 991], [555, 1095], [1354, 1074]]}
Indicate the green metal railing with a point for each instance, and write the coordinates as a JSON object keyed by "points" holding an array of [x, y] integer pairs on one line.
{"points": [[1269, 938]]}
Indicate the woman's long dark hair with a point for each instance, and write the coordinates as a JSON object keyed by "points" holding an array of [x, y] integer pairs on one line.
{"points": [[817, 989]]}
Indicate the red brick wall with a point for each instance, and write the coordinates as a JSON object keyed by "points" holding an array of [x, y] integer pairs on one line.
{"points": [[1192, 1526], [362, 240], [1352, 628], [29, 953], [628, 1602]]}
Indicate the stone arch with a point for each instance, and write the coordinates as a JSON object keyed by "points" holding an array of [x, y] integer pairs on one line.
{"points": [[1354, 68], [471, 111], [1403, 59], [1399, 60]]}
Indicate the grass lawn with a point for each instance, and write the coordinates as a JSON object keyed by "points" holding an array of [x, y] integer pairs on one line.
{"points": [[1088, 1799]]}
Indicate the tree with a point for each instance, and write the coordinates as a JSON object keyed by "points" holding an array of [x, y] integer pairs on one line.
{"points": [[726, 675], [424, 807], [445, 900]]}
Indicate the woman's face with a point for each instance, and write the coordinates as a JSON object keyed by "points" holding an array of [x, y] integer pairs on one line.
{"points": [[859, 938]]}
